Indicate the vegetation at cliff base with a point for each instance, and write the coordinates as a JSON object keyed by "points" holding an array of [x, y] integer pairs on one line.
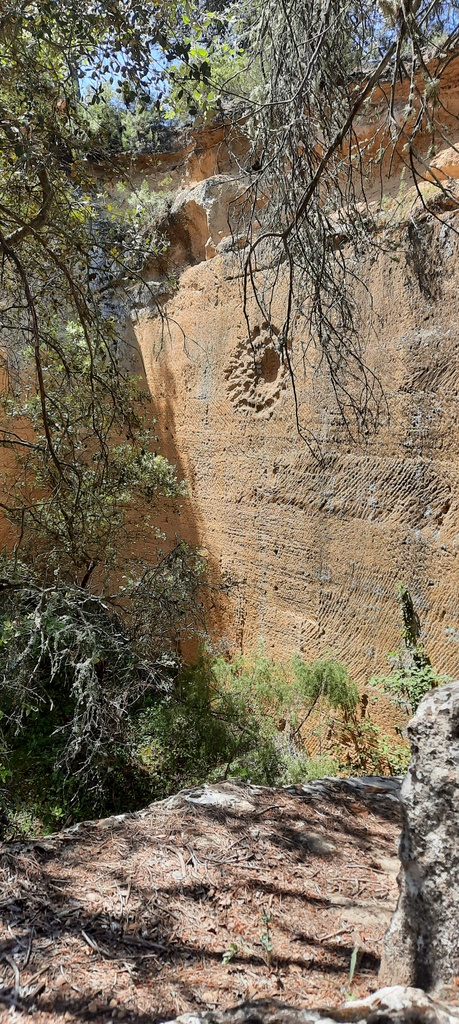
{"points": [[94, 724]]}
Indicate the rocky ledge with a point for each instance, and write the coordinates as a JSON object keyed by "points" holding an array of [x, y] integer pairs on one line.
{"points": [[394, 1005]]}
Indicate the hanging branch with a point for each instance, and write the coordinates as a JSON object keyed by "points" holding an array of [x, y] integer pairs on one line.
{"points": [[305, 209]]}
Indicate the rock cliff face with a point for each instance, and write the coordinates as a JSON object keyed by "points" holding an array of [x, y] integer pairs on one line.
{"points": [[314, 549]]}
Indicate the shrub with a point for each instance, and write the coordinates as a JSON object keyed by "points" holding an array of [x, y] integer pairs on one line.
{"points": [[202, 731], [407, 686], [285, 694], [241, 719], [361, 747], [412, 674], [91, 726], [74, 669]]}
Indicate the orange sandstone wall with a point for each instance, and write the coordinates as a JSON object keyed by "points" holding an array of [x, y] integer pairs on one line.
{"points": [[313, 550]]}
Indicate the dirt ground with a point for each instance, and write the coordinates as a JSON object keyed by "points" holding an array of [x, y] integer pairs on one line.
{"points": [[221, 894]]}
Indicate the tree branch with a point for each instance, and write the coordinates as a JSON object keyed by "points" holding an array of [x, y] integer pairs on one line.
{"points": [[41, 217]]}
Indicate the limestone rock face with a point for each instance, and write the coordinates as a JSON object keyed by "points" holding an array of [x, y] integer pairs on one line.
{"points": [[444, 165], [204, 213], [313, 551], [309, 527], [395, 1005], [422, 944]]}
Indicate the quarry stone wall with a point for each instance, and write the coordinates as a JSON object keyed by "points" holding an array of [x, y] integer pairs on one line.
{"points": [[312, 547]]}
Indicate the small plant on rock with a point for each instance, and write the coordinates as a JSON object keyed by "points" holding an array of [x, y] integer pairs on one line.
{"points": [[412, 674]]}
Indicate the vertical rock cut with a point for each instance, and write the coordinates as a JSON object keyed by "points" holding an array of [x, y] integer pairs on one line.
{"points": [[422, 944]]}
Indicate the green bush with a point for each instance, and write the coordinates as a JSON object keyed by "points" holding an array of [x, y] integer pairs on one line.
{"points": [[412, 674], [74, 670], [113, 127], [242, 719], [253, 718], [287, 692], [201, 731], [363, 748], [407, 686]]}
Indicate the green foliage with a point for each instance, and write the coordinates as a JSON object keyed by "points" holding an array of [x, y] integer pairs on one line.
{"points": [[407, 686], [99, 719], [235, 75], [74, 669], [203, 66], [412, 674], [298, 766], [327, 679], [363, 748], [232, 951], [265, 944], [281, 698], [83, 512], [242, 719], [92, 629], [411, 631], [72, 424], [111, 127], [284, 690], [131, 224], [199, 730], [196, 86]]}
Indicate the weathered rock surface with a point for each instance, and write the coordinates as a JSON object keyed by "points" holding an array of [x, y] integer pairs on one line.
{"points": [[394, 1005], [422, 944], [201, 214], [314, 550], [444, 165]]}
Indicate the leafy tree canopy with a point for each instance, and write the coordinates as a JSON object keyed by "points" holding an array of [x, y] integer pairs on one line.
{"points": [[79, 451], [89, 616]]}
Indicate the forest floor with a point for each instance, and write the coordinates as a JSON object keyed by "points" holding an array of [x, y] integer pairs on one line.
{"points": [[223, 893]]}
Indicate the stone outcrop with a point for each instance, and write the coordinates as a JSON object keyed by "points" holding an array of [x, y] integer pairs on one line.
{"points": [[200, 218], [422, 944], [394, 1005], [445, 165], [313, 550]]}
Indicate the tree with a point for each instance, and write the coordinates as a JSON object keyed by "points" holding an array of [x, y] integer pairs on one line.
{"points": [[78, 449], [319, 64], [92, 619]]}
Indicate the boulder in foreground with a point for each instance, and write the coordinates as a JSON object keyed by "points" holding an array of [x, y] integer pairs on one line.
{"points": [[393, 1005], [422, 944]]}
